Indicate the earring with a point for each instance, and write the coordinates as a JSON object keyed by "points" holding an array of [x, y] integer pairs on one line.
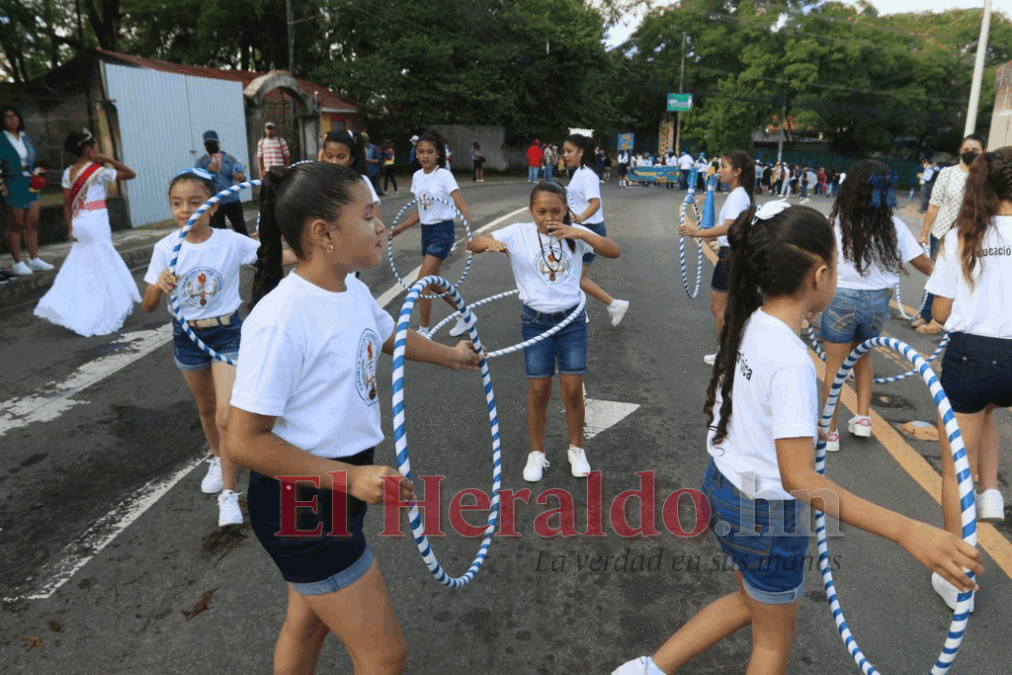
{"points": [[330, 249]]}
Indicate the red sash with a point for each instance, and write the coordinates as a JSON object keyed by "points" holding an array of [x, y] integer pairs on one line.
{"points": [[79, 186]]}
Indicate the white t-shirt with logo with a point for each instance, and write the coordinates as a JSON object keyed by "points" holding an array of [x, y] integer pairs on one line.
{"points": [[308, 357], [776, 396], [547, 272], [207, 273], [984, 310], [584, 186], [440, 183], [874, 278], [735, 203]]}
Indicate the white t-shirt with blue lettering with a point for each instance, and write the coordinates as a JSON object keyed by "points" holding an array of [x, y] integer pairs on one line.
{"points": [[776, 396], [547, 272], [985, 309], [308, 356]]}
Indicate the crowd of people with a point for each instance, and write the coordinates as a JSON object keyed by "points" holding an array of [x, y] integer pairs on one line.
{"points": [[313, 337]]}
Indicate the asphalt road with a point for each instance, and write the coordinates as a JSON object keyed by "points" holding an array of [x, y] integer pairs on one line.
{"points": [[104, 530]]}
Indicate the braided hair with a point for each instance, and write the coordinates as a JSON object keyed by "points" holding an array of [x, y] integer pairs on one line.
{"points": [[768, 258], [987, 185]]}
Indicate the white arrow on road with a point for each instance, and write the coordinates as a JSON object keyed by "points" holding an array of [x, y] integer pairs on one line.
{"points": [[602, 415]]}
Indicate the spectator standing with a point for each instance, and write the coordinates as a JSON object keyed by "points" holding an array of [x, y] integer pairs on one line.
{"points": [[389, 157], [535, 158], [927, 177], [225, 172], [272, 150], [373, 164], [17, 170], [413, 164], [549, 161], [685, 165]]}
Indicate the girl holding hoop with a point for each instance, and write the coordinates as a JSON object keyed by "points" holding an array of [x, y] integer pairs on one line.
{"points": [[585, 207], [782, 267], [970, 284], [305, 404], [548, 276], [434, 181], [873, 245], [737, 170], [207, 285]]}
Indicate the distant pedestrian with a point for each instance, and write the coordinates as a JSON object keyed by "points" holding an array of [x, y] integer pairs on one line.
{"points": [[225, 171], [549, 160], [535, 158], [272, 150], [388, 165], [413, 164], [20, 199], [478, 163], [373, 163]]}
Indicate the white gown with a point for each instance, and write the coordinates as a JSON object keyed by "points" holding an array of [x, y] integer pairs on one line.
{"points": [[94, 292]]}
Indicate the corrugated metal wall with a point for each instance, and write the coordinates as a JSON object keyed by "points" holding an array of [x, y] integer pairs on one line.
{"points": [[162, 119], [461, 139]]}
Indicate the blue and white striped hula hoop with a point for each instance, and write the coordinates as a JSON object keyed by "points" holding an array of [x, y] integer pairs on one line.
{"points": [[690, 199], [177, 311], [820, 352], [390, 245], [484, 301], [899, 299], [401, 438], [961, 615]]}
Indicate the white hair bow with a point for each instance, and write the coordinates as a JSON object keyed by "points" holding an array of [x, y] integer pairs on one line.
{"points": [[770, 209]]}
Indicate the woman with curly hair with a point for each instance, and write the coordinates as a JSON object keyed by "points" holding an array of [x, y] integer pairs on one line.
{"points": [[873, 246]]}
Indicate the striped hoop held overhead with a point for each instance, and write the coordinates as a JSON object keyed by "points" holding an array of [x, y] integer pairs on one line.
{"points": [[390, 246], [174, 298], [961, 615], [401, 438], [820, 352]]}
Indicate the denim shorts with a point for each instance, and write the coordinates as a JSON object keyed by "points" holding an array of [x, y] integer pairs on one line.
{"points": [[437, 239], [222, 339], [719, 280], [596, 228], [855, 316], [567, 348], [976, 372], [313, 564], [770, 557]]}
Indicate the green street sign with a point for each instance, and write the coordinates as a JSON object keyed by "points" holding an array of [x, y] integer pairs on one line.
{"points": [[679, 102]]}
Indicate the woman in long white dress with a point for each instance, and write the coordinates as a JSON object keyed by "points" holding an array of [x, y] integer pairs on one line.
{"points": [[94, 292]]}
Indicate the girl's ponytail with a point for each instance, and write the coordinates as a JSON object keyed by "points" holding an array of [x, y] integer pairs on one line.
{"points": [[988, 183], [268, 270], [739, 159]]}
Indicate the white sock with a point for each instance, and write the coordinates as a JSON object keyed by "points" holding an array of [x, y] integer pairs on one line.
{"points": [[652, 668], [613, 305]]}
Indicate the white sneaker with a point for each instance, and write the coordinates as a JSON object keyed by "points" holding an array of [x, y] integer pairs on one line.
{"points": [[832, 441], [634, 667], [459, 328], [990, 506], [228, 509], [212, 481], [586, 316], [947, 591], [860, 426], [39, 265], [578, 462], [425, 333], [536, 465], [710, 359], [21, 269], [617, 310]]}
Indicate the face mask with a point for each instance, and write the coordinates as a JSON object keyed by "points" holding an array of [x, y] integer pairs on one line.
{"points": [[968, 157]]}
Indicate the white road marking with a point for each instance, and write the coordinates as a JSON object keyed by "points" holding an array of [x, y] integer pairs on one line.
{"points": [[601, 415], [55, 397]]}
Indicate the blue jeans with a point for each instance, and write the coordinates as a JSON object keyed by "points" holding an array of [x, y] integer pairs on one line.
{"points": [[855, 316], [548, 172], [567, 348], [532, 174], [926, 312]]}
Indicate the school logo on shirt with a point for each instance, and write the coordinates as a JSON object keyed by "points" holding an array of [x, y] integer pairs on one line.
{"points": [[200, 287], [425, 200], [369, 347], [553, 263]]}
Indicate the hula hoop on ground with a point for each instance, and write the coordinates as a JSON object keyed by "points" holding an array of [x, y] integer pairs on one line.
{"points": [[177, 311], [821, 353], [390, 246], [690, 199], [961, 614], [401, 439]]}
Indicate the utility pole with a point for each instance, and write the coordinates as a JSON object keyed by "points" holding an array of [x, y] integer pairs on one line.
{"points": [[783, 125], [678, 115], [291, 40], [978, 71]]}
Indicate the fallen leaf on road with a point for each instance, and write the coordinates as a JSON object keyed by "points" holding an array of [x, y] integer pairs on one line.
{"points": [[53, 626], [33, 642], [922, 431], [200, 606]]}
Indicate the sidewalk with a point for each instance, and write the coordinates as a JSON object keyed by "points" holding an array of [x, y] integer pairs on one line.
{"points": [[135, 247]]}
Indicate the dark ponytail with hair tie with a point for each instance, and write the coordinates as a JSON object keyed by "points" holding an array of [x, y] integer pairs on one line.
{"points": [[268, 270]]}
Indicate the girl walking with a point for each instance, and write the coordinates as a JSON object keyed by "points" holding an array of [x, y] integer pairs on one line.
{"points": [[305, 403], [94, 292], [546, 256], [873, 245], [585, 207], [765, 444]]}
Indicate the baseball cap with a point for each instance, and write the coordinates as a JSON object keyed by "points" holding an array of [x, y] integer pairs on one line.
{"points": [[535, 141], [414, 138], [270, 125], [210, 136]]}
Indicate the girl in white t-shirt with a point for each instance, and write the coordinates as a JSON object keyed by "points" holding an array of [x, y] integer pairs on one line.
{"points": [[971, 282], [873, 246], [434, 180], [306, 414], [347, 149], [546, 257], [207, 283], [738, 171], [783, 267], [585, 209]]}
